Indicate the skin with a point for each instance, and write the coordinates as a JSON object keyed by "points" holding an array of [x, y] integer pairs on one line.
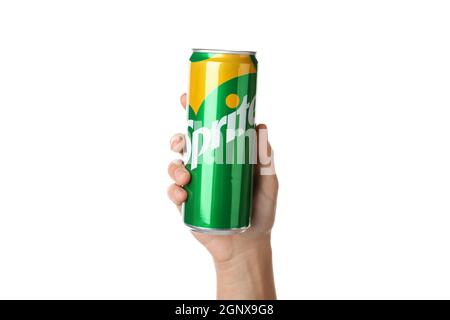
{"points": [[243, 262]]}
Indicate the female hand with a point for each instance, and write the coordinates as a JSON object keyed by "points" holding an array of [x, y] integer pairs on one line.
{"points": [[243, 261]]}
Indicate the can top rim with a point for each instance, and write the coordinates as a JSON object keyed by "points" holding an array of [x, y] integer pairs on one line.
{"points": [[224, 51]]}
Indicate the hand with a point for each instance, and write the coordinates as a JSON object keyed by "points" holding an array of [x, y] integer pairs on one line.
{"points": [[243, 261]]}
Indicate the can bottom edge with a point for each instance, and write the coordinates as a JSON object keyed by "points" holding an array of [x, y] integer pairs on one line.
{"points": [[217, 231]]}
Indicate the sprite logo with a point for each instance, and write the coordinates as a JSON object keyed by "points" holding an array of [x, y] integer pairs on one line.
{"points": [[221, 114], [229, 140]]}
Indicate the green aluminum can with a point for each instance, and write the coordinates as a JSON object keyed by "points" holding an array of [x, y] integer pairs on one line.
{"points": [[220, 141]]}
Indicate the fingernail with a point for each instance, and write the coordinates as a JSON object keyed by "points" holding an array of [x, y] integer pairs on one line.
{"points": [[262, 126], [175, 141], [180, 174], [177, 162], [179, 193]]}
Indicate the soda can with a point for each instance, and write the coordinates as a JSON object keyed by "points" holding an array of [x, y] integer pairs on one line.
{"points": [[220, 141]]}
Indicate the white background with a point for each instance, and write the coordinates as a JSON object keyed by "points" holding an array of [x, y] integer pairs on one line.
{"points": [[356, 98]]}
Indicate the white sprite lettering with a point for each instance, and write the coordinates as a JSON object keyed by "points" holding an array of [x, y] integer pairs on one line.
{"points": [[206, 135], [211, 138]]}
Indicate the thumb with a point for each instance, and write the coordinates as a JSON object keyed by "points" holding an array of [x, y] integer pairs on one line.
{"points": [[265, 175]]}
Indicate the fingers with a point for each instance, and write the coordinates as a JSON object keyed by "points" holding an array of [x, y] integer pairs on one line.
{"points": [[183, 100], [181, 176], [263, 134], [265, 164], [177, 143], [264, 148], [178, 173], [176, 169], [176, 194]]}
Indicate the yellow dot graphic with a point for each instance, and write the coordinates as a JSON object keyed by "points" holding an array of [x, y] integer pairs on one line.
{"points": [[232, 100]]}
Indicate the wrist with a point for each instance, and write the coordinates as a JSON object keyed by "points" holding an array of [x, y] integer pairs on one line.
{"points": [[242, 249], [248, 274]]}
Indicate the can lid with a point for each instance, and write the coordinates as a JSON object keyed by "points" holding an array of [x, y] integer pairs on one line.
{"points": [[224, 51]]}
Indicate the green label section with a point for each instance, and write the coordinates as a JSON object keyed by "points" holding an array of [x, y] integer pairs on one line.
{"points": [[200, 56]]}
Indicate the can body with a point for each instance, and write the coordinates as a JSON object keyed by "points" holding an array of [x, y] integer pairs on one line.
{"points": [[220, 141]]}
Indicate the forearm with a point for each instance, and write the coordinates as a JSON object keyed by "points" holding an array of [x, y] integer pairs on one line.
{"points": [[247, 276]]}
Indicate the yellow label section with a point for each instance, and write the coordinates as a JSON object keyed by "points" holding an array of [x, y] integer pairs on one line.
{"points": [[206, 75]]}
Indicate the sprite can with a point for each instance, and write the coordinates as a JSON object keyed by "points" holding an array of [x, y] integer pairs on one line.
{"points": [[220, 141]]}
